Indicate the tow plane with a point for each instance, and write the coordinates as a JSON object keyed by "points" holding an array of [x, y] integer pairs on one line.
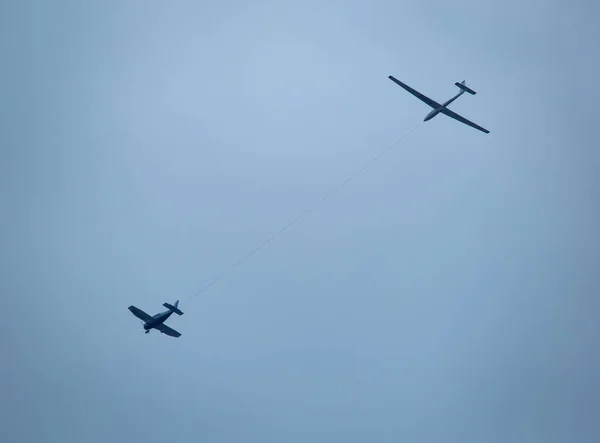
{"points": [[158, 321], [437, 108]]}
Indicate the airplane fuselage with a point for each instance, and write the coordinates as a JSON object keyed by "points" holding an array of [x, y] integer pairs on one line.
{"points": [[436, 111], [157, 319]]}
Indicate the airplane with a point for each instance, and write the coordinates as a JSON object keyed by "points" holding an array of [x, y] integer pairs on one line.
{"points": [[437, 108], [158, 321]]}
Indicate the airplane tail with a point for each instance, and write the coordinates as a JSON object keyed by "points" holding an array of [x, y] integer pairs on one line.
{"points": [[462, 86], [175, 309]]}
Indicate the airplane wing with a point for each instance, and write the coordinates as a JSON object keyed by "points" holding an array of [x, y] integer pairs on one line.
{"points": [[166, 330], [139, 313], [460, 118], [417, 94]]}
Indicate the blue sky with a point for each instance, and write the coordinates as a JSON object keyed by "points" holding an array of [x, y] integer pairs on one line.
{"points": [[447, 294]]}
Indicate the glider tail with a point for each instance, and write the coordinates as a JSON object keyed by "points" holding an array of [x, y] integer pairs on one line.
{"points": [[465, 88], [174, 308]]}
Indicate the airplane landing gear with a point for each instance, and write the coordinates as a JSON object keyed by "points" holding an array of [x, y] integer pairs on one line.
{"points": [[147, 331]]}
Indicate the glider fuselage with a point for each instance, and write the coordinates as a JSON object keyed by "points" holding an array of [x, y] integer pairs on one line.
{"points": [[436, 111]]}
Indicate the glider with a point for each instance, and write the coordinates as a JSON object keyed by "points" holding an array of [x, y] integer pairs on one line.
{"points": [[158, 321], [437, 108]]}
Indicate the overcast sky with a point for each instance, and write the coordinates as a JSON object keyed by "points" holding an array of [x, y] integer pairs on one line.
{"points": [[447, 294]]}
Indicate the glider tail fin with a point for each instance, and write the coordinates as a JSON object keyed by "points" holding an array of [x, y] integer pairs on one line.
{"points": [[465, 88], [174, 308]]}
